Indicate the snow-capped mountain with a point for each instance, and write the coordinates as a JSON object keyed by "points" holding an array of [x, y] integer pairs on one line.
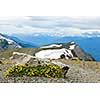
{"points": [[31, 41], [6, 43], [91, 34], [88, 42], [64, 50]]}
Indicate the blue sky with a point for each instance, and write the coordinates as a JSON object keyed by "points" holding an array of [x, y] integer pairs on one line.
{"points": [[49, 25]]}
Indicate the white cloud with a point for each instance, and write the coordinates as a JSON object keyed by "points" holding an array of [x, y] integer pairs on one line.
{"points": [[50, 25]]}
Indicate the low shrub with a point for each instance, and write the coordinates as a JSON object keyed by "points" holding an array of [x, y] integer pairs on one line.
{"points": [[5, 62], [47, 70]]}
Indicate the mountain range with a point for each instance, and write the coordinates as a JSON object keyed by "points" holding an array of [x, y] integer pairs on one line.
{"points": [[89, 44]]}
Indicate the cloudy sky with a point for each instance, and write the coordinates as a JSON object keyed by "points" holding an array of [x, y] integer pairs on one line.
{"points": [[50, 25]]}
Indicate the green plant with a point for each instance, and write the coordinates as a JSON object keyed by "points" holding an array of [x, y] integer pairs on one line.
{"points": [[17, 70], [47, 70]]}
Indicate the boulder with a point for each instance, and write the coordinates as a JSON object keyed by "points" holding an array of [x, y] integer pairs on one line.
{"points": [[63, 66], [22, 58]]}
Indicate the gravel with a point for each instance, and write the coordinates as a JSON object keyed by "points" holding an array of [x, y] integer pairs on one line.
{"points": [[82, 72], [26, 79]]}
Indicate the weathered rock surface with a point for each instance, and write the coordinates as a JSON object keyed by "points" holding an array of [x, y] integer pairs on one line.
{"points": [[22, 58]]}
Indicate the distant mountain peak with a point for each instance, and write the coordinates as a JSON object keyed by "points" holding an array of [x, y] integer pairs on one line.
{"points": [[6, 43]]}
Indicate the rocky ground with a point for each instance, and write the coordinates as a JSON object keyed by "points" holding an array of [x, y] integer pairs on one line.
{"points": [[79, 72]]}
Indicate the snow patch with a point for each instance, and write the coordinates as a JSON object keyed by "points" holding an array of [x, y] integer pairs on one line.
{"points": [[54, 53], [72, 42], [72, 47], [18, 46], [9, 41], [52, 45]]}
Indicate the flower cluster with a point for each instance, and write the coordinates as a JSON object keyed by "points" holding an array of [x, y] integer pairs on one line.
{"points": [[47, 70], [17, 70]]}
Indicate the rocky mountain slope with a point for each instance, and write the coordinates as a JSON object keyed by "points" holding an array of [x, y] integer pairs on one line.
{"points": [[64, 50], [53, 51], [6, 43]]}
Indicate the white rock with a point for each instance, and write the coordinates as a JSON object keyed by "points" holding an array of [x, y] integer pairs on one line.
{"points": [[21, 57]]}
